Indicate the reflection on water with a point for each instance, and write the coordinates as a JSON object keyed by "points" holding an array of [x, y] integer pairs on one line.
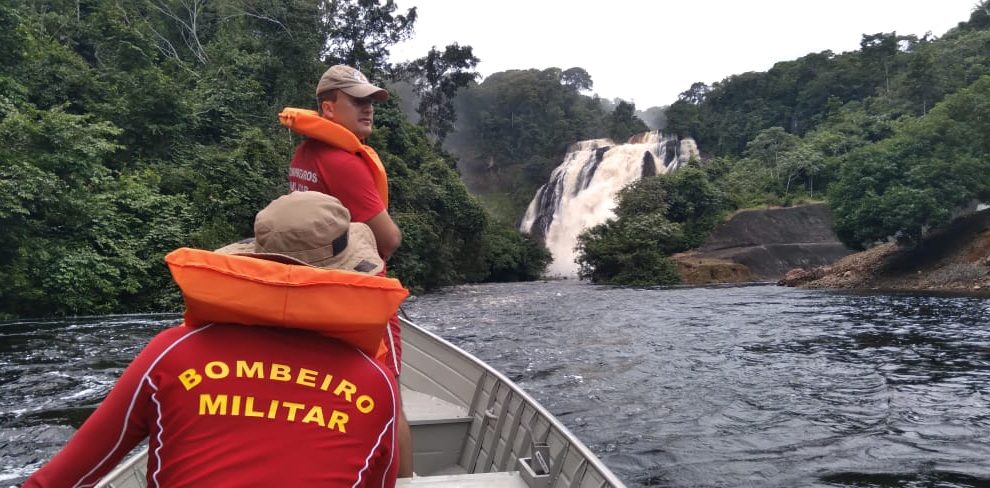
{"points": [[743, 386]]}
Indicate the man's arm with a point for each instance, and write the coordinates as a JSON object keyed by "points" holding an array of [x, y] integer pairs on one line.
{"points": [[387, 234]]}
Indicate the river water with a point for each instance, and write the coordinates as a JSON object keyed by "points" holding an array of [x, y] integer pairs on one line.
{"points": [[722, 386]]}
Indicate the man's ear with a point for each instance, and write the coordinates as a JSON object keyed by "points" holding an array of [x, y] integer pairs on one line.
{"points": [[326, 109]]}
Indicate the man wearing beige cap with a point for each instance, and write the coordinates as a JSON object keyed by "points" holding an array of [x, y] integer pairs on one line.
{"points": [[261, 386], [346, 98]]}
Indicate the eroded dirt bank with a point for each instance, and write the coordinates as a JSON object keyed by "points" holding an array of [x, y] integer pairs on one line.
{"points": [[953, 259]]}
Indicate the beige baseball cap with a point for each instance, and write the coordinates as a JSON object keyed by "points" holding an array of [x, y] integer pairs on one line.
{"points": [[351, 82], [313, 229]]}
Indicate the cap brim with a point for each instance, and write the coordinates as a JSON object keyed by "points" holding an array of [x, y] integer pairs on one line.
{"points": [[366, 91]]}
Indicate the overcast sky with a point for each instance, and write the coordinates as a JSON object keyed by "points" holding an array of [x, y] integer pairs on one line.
{"points": [[650, 51]]}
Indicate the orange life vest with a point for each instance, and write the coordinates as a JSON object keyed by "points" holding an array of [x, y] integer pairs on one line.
{"points": [[349, 306], [310, 124]]}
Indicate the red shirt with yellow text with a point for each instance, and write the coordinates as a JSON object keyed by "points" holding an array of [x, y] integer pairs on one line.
{"points": [[230, 405]]}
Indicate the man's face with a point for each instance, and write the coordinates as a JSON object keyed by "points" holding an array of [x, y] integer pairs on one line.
{"points": [[356, 114]]}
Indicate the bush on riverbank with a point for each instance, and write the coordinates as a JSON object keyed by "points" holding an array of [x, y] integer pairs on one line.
{"points": [[656, 217]]}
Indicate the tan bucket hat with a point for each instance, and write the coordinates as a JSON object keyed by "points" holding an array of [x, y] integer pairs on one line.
{"points": [[351, 82], [313, 229]]}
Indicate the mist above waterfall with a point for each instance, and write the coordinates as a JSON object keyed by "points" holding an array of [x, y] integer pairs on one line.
{"points": [[581, 192]]}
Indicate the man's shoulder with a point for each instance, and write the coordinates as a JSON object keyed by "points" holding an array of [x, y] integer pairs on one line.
{"points": [[311, 144], [312, 148]]}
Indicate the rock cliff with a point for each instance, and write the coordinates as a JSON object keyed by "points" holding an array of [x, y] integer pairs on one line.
{"points": [[763, 245]]}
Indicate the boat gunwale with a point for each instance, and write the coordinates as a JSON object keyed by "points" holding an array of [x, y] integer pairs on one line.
{"points": [[575, 442]]}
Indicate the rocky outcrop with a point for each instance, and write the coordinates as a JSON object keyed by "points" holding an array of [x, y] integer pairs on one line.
{"points": [[763, 245], [955, 259], [700, 271]]}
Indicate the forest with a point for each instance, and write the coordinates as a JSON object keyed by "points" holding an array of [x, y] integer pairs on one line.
{"points": [[133, 128], [893, 136], [129, 129]]}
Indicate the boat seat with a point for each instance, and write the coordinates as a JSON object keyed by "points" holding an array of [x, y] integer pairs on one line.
{"points": [[439, 429], [510, 479], [421, 409]]}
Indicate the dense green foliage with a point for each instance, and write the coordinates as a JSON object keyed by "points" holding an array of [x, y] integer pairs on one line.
{"points": [[901, 75], [131, 128], [656, 217], [918, 177], [517, 125], [894, 135]]}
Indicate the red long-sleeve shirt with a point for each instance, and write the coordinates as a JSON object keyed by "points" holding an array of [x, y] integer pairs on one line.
{"points": [[317, 166], [230, 405]]}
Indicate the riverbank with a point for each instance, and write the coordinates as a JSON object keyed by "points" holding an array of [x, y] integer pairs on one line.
{"points": [[953, 259]]}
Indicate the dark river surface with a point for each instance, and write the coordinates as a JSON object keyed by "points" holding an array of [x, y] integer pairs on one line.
{"points": [[724, 386]]}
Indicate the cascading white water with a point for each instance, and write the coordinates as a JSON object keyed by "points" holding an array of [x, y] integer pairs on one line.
{"points": [[582, 190]]}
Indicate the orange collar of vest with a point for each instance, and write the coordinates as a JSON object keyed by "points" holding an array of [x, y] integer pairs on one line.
{"points": [[349, 306], [309, 123]]}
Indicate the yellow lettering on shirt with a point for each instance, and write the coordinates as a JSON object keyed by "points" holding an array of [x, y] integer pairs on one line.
{"points": [[306, 377], [255, 370], [216, 370], [280, 372], [212, 406], [249, 410], [347, 388], [338, 420], [365, 404], [315, 414], [293, 378], [293, 408], [190, 378]]}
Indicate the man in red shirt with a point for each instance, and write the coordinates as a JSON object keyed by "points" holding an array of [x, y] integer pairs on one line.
{"points": [[346, 97], [235, 404]]}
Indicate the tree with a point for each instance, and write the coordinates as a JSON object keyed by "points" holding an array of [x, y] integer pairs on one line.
{"points": [[132, 128], [801, 162], [683, 119], [577, 78], [359, 33], [696, 94], [623, 122], [436, 78], [631, 253], [769, 146], [916, 179], [878, 50], [514, 128], [655, 217]]}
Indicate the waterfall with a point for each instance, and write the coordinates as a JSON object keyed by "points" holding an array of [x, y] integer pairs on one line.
{"points": [[581, 191]]}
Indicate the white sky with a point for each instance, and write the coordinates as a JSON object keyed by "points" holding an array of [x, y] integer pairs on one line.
{"points": [[650, 51]]}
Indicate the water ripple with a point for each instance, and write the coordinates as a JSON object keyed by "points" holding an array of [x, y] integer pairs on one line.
{"points": [[721, 386]]}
